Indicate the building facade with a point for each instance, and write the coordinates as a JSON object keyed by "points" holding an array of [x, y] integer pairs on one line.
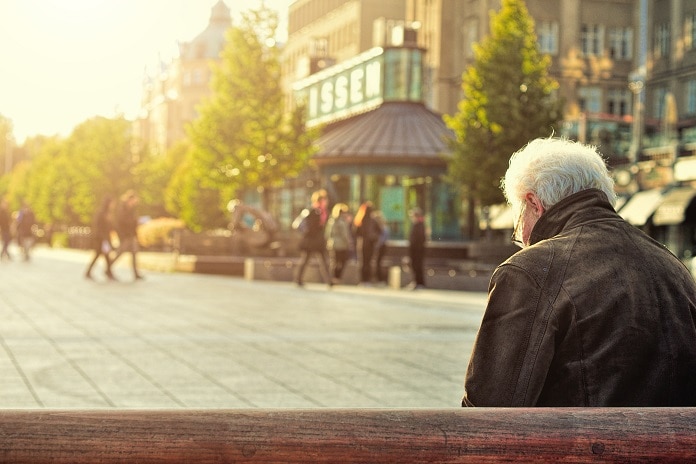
{"points": [[171, 92], [357, 68], [627, 75], [325, 32], [660, 181], [591, 44]]}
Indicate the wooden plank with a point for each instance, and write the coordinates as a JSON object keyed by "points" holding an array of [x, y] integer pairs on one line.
{"points": [[477, 435]]}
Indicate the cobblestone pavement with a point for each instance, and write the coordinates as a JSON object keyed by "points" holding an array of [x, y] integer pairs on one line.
{"points": [[180, 340]]}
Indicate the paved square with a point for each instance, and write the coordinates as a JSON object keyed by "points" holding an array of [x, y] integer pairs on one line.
{"points": [[179, 340]]}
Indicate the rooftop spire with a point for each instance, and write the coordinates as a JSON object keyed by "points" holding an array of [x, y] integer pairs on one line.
{"points": [[220, 13]]}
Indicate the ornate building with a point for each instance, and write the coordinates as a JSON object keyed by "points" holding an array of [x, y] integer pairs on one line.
{"points": [[171, 94]]}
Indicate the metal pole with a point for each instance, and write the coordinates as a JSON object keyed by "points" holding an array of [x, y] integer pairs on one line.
{"points": [[8, 153], [637, 84]]}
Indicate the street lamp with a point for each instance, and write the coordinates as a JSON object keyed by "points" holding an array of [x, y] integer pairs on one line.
{"points": [[636, 86], [8, 152]]}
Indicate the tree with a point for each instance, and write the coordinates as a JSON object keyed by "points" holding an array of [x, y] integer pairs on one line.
{"points": [[101, 163], [244, 138], [6, 143], [66, 179], [190, 199], [49, 184], [153, 174], [508, 101]]}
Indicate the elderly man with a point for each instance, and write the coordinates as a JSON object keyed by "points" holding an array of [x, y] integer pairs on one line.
{"points": [[591, 311]]}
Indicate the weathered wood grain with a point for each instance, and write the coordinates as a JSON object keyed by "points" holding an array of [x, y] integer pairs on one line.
{"points": [[477, 435]]}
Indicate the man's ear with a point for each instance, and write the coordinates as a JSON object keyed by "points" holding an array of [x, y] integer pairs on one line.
{"points": [[536, 204]]}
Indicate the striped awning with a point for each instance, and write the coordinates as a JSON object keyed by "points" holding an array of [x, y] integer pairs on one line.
{"points": [[641, 206], [672, 210]]}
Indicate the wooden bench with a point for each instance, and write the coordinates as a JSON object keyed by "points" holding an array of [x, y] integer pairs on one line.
{"points": [[477, 435]]}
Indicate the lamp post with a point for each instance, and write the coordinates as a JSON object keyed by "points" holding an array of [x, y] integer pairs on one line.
{"points": [[8, 152], [636, 85]]}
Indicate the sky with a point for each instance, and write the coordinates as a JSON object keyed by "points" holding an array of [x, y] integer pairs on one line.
{"points": [[65, 61]]}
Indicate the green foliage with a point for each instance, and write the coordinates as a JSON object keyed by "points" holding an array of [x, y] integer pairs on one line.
{"points": [[244, 139], [17, 190], [189, 199], [66, 178], [49, 184], [100, 163], [6, 140], [153, 174], [508, 101]]}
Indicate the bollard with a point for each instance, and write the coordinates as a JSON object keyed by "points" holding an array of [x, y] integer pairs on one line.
{"points": [[395, 277], [249, 269]]}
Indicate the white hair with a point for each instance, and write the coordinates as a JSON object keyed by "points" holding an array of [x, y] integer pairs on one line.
{"points": [[553, 169]]}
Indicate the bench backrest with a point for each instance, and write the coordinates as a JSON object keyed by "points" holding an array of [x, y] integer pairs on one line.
{"points": [[476, 435]]}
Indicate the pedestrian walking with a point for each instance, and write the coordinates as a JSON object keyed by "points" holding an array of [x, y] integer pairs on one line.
{"points": [[26, 220], [102, 226], [367, 231], [339, 239], [127, 229], [5, 229], [416, 248], [311, 224]]}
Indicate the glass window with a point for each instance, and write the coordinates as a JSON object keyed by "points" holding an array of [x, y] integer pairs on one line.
{"points": [[470, 33], [590, 99], [402, 78], [547, 34], [662, 40], [691, 97], [690, 31], [621, 43], [618, 102], [592, 39], [659, 102]]}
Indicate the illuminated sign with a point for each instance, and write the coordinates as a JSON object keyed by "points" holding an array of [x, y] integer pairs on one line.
{"points": [[360, 84]]}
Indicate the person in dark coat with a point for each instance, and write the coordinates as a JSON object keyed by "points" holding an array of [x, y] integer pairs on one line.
{"points": [[5, 229], [311, 223], [368, 232], [102, 225], [339, 239], [25, 230], [416, 248], [127, 229], [591, 312]]}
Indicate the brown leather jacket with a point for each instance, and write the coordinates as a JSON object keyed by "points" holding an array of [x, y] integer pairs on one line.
{"points": [[593, 313]]}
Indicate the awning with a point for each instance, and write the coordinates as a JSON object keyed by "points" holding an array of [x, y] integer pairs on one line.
{"points": [[672, 210], [395, 133], [620, 201], [641, 206]]}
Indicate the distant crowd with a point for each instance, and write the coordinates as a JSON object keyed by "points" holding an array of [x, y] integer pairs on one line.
{"points": [[20, 226], [339, 236], [334, 237]]}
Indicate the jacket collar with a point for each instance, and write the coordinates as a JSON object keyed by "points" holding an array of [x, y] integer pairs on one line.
{"points": [[572, 211]]}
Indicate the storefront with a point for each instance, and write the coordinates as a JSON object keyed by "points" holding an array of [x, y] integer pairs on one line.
{"points": [[674, 221], [380, 143]]}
